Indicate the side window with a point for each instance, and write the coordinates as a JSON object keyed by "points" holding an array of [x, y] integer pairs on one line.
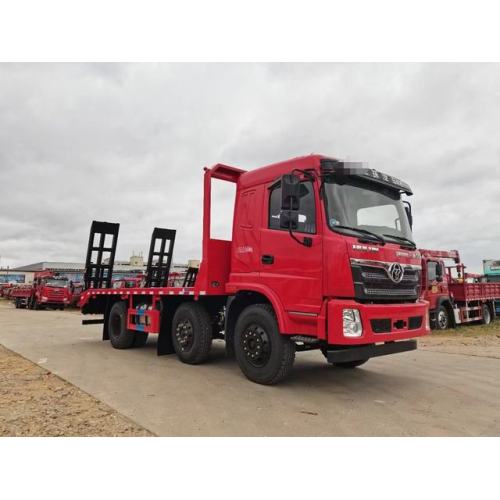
{"points": [[307, 213], [431, 271]]}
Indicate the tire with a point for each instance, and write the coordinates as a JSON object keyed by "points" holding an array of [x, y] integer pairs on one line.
{"points": [[263, 354], [192, 333], [442, 318], [487, 317], [119, 335]]}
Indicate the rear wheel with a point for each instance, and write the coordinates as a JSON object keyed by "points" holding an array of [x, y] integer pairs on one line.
{"points": [[442, 318], [263, 354], [119, 335], [192, 333], [486, 319]]}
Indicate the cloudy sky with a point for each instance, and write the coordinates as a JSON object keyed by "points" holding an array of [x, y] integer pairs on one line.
{"points": [[127, 143]]}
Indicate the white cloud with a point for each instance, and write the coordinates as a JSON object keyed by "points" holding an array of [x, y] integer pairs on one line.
{"points": [[127, 143]]}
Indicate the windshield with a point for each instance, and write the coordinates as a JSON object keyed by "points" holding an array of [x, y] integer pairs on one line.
{"points": [[366, 206], [57, 283]]}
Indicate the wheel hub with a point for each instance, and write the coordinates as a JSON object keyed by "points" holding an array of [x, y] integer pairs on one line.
{"points": [[184, 334], [256, 346], [442, 319]]}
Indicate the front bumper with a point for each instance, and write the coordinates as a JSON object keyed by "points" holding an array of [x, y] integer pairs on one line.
{"points": [[380, 322], [349, 354]]}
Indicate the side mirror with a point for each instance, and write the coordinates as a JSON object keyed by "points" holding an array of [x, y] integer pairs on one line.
{"points": [[290, 192], [409, 213], [289, 219], [439, 273], [290, 201]]}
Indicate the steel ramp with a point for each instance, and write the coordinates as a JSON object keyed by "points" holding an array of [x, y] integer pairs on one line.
{"points": [[101, 255], [160, 257]]}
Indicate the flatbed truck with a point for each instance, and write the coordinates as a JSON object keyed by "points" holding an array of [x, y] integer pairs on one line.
{"points": [[455, 297], [321, 257]]}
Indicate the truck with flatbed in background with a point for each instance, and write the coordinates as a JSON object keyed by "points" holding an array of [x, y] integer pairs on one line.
{"points": [[48, 291], [455, 296], [321, 257]]}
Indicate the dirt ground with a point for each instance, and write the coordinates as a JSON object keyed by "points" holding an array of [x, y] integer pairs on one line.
{"points": [[476, 340], [66, 381], [35, 402]]}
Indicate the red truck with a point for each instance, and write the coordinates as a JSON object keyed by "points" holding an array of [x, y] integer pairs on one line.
{"points": [[321, 257], [454, 296], [76, 289], [46, 291]]}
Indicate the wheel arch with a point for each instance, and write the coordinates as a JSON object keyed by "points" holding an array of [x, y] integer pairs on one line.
{"points": [[446, 302], [238, 302]]}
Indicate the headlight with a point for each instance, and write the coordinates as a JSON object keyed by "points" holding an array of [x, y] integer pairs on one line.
{"points": [[352, 323]]}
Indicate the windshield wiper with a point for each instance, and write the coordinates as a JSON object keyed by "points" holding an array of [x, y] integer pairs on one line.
{"points": [[405, 241], [374, 236]]}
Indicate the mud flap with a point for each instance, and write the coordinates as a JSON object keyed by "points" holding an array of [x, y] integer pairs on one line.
{"points": [[165, 344]]}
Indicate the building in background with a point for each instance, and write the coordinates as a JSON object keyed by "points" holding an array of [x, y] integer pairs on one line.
{"points": [[74, 270]]}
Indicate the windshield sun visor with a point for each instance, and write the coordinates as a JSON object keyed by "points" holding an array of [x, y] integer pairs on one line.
{"points": [[341, 170]]}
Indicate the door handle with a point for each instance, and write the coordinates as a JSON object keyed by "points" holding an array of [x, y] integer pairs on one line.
{"points": [[267, 259]]}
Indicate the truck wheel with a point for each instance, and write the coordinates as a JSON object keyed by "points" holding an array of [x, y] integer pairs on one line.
{"points": [[119, 335], [263, 354], [192, 333], [486, 319], [442, 318]]}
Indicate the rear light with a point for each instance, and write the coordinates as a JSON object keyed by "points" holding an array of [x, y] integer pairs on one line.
{"points": [[351, 321]]}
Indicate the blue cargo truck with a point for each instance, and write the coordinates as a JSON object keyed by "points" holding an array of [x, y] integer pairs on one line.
{"points": [[492, 273]]}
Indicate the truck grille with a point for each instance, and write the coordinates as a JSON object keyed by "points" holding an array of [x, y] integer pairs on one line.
{"points": [[55, 294], [373, 282]]}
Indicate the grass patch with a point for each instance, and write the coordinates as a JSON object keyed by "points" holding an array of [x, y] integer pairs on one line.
{"points": [[475, 330]]}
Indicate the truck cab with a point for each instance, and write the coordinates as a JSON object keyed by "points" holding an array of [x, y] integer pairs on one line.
{"points": [[348, 272], [50, 291]]}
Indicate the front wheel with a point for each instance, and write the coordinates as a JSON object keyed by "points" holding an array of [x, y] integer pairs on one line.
{"points": [[442, 318], [263, 354]]}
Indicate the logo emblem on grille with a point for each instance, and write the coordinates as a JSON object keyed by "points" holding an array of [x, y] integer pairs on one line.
{"points": [[396, 272]]}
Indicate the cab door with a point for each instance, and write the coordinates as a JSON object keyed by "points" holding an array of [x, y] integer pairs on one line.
{"points": [[436, 283], [291, 270]]}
